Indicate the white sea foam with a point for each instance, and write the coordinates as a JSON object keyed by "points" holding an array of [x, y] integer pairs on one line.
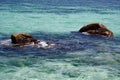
{"points": [[41, 44], [6, 42], [86, 33]]}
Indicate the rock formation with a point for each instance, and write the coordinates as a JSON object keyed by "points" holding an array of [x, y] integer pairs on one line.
{"points": [[97, 29], [22, 38]]}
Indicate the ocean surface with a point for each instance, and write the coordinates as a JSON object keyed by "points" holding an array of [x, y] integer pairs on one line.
{"points": [[76, 56]]}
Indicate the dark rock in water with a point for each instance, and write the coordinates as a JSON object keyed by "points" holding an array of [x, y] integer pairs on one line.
{"points": [[22, 38], [98, 29]]}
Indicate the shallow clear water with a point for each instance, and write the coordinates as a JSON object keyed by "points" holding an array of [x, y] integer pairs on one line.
{"points": [[76, 56]]}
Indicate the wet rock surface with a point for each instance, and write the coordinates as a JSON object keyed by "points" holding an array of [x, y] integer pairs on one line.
{"points": [[97, 29], [22, 38]]}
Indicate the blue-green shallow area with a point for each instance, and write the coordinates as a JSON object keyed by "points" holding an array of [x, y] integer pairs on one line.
{"points": [[76, 56]]}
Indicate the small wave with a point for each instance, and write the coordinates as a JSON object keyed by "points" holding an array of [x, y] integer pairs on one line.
{"points": [[41, 44], [85, 33], [6, 42]]}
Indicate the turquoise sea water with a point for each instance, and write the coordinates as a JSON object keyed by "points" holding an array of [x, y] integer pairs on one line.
{"points": [[77, 56]]}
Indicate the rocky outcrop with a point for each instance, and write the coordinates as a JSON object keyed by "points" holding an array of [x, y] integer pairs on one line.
{"points": [[22, 38], [97, 29]]}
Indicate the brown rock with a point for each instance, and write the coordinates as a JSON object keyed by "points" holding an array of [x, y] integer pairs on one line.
{"points": [[98, 29], [22, 38]]}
